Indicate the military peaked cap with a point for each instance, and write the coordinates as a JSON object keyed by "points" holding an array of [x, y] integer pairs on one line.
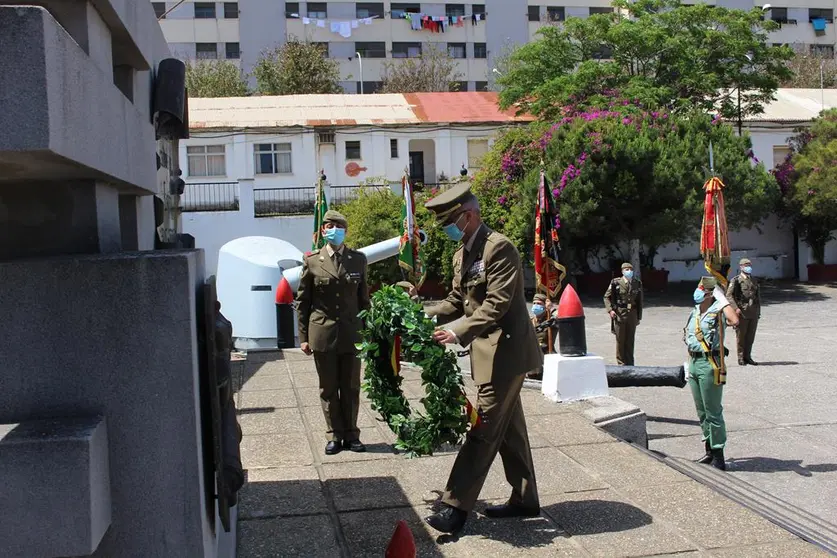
{"points": [[744, 261], [708, 283], [335, 217], [446, 203], [539, 298], [627, 265]]}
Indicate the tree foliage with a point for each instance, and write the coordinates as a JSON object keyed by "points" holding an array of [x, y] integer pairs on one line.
{"points": [[297, 68], [666, 55], [433, 71], [620, 173], [215, 78], [806, 65]]}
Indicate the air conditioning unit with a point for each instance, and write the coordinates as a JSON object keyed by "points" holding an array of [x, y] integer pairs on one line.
{"points": [[325, 137]]}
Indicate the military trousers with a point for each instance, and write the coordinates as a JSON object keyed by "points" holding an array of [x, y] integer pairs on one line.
{"points": [[624, 327], [339, 375], [502, 429], [708, 401], [746, 333]]}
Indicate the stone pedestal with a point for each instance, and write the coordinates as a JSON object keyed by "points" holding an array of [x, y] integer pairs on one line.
{"points": [[573, 378]]}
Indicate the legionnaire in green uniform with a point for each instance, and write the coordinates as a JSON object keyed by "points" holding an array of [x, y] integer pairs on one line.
{"points": [[744, 296], [487, 293], [623, 302], [545, 333], [332, 291], [704, 338]]}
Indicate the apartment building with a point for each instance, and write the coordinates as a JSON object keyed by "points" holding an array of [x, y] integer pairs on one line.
{"points": [[361, 36]]}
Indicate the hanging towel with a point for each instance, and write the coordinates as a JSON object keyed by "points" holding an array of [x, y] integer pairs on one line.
{"points": [[345, 29], [819, 24], [306, 21], [355, 24], [321, 23], [367, 21], [335, 26]]}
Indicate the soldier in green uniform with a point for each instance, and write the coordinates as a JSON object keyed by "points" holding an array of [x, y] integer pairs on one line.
{"points": [[743, 294], [332, 291], [487, 293], [545, 332], [704, 338], [623, 302]]}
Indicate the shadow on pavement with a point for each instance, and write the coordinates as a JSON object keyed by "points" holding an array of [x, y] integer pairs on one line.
{"points": [[671, 420], [592, 517], [779, 363], [776, 292], [771, 465]]}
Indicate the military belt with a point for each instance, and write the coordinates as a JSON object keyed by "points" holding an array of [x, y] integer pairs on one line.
{"points": [[701, 354]]}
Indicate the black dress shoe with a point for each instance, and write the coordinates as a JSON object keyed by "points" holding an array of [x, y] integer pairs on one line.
{"points": [[707, 458], [742, 362], [751, 362], [511, 510], [355, 446], [718, 459], [448, 520], [333, 447]]}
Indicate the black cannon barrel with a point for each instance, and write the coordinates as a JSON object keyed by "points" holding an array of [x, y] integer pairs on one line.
{"points": [[646, 376]]}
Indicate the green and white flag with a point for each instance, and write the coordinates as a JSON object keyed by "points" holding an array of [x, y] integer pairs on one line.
{"points": [[410, 253], [320, 208]]}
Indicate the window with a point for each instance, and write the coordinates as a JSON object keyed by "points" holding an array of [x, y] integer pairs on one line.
{"points": [[206, 51], [779, 15], [159, 9], [352, 150], [456, 86], [397, 10], [273, 158], [478, 9], [406, 50], [821, 13], [206, 160], [780, 153], [372, 50], [594, 11], [480, 86], [477, 148], [555, 13], [480, 50], [456, 50], [318, 10], [291, 10], [230, 10], [323, 48], [393, 148], [233, 52], [454, 10], [369, 9], [825, 51], [325, 137], [204, 10], [534, 13], [370, 87]]}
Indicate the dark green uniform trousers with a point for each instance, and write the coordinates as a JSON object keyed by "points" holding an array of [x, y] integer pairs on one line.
{"points": [[708, 401], [746, 333], [624, 327], [339, 393]]}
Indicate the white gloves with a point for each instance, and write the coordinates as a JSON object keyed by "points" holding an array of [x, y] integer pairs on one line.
{"points": [[720, 296]]}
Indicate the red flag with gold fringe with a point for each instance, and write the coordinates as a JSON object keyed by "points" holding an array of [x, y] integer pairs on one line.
{"points": [[714, 235], [549, 273]]}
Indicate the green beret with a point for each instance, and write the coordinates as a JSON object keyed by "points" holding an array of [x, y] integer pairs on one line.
{"points": [[744, 261], [627, 265], [708, 283], [450, 200], [539, 298], [335, 217]]}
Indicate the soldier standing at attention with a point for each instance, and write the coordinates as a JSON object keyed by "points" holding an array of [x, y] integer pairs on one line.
{"points": [[704, 338], [743, 294], [623, 302], [487, 292], [332, 291], [546, 335]]}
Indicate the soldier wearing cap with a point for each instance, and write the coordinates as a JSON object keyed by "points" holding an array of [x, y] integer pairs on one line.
{"points": [[411, 290], [332, 291], [623, 302], [487, 293], [704, 338], [545, 331], [743, 294]]}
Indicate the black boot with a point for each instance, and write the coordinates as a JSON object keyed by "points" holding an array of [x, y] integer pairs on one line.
{"points": [[448, 520], [718, 459], [707, 457]]}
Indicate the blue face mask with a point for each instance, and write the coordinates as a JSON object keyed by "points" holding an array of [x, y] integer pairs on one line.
{"points": [[699, 295], [747, 269], [538, 310], [453, 231], [335, 236], [628, 273]]}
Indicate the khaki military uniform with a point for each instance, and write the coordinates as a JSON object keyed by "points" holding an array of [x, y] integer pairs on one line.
{"points": [[332, 291], [743, 293], [488, 292], [624, 297]]}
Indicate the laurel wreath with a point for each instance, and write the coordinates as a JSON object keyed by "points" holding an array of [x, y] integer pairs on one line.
{"points": [[392, 316]]}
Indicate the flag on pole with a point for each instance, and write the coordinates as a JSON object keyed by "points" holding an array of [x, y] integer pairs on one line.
{"points": [[320, 208], [410, 256], [714, 235], [549, 272]]}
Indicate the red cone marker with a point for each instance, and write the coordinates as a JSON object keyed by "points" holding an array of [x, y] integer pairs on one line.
{"points": [[572, 339], [402, 544], [284, 315]]}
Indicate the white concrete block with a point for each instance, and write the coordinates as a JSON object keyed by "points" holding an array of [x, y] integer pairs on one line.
{"points": [[574, 378]]}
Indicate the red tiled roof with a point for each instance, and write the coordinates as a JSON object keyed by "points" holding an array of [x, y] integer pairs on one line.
{"points": [[464, 106]]}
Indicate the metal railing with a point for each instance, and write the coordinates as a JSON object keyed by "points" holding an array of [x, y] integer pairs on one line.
{"points": [[273, 202], [210, 196], [341, 194]]}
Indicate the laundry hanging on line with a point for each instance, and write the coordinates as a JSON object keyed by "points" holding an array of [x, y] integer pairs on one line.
{"points": [[342, 28], [439, 24]]}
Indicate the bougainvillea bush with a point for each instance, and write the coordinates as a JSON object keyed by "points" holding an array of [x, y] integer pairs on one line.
{"points": [[620, 172]]}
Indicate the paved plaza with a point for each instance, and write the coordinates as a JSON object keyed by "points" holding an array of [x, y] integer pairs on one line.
{"points": [[599, 496]]}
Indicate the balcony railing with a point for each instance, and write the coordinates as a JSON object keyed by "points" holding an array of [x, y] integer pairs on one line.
{"points": [[272, 202], [210, 196]]}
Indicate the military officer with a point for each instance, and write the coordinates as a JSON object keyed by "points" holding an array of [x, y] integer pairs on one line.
{"points": [[487, 293], [623, 302], [546, 334], [332, 291], [744, 296]]}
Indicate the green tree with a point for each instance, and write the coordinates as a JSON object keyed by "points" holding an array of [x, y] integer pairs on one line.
{"points": [[215, 78], [433, 71], [811, 70], [297, 68], [656, 51]]}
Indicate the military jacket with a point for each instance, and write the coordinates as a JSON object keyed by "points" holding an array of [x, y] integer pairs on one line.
{"points": [[487, 289], [329, 299], [743, 293], [623, 297], [543, 335]]}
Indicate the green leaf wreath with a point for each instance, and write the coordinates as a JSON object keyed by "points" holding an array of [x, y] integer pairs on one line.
{"points": [[393, 316]]}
